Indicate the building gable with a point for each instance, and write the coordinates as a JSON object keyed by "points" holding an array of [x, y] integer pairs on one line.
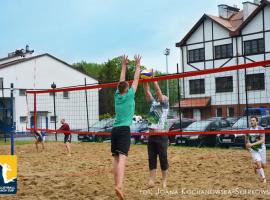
{"points": [[22, 60]]}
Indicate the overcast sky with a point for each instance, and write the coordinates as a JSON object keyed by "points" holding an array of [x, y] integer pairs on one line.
{"points": [[98, 30]]}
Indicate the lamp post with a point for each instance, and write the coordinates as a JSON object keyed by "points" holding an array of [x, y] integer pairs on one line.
{"points": [[167, 53], [53, 86]]}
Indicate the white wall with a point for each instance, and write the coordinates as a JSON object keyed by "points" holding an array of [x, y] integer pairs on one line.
{"points": [[255, 25], [267, 17], [219, 32], [39, 73]]}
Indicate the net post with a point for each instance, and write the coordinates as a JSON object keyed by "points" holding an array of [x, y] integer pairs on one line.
{"points": [[11, 120], [53, 86], [35, 111], [246, 91], [179, 100], [4, 110], [86, 103]]}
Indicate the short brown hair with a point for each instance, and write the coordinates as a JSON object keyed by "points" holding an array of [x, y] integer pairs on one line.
{"points": [[122, 86], [254, 117]]}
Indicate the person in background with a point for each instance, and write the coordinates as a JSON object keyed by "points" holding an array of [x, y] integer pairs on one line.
{"points": [[67, 135], [255, 143], [39, 139]]}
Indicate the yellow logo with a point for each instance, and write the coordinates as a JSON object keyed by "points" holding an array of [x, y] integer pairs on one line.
{"points": [[8, 174]]}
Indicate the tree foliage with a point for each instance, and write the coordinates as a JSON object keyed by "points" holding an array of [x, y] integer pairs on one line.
{"points": [[110, 72]]}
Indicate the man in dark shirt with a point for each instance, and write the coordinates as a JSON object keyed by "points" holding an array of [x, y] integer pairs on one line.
{"points": [[39, 139], [67, 135], [157, 144]]}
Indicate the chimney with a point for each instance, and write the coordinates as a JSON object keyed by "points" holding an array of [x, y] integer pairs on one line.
{"points": [[27, 48], [226, 11], [249, 7]]}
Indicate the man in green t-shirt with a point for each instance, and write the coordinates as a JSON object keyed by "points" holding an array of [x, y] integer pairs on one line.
{"points": [[124, 111]]}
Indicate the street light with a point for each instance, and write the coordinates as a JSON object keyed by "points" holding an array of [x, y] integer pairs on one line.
{"points": [[53, 86], [167, 53]]}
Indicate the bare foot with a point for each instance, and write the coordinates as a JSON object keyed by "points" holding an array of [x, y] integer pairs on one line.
{"points": [[69, 154], [264, 180], [164, 184], [119, 193], [151, 184]]}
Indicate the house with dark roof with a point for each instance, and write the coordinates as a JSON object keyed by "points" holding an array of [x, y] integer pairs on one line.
{"points": [[233, 37], [27, 71]]}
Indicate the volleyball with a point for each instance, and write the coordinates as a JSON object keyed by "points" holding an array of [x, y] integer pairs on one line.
{"points": [[146, 74]]}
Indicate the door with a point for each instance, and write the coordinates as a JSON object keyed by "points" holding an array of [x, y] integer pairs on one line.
{"points": [[197, 114], [39, 121]]}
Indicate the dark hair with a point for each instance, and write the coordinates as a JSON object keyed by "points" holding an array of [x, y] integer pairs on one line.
{"points": [[255, 117], [122, 86]]}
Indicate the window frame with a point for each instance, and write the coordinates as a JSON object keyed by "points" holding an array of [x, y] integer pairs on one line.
{"points": [[192, 53], [229, 112], [217, 109], [228, 51], [201, 88], [223, 90], [23, 121], [20, 92], [249, 79], [250, 43], [66, 94], [55, 119]]}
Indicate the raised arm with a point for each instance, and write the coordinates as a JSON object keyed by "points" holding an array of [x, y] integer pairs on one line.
{"points": [[147, 92], [158, 91], [137, 72], [124, 68]]}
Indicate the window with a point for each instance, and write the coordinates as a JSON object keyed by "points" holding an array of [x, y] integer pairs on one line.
{"points": [[23, 119], [268, 120], [264, 122], [219, 112], [196, 55], [65, 95], [196, 86], [214, 126], [53, 118], [22, 92], [51, 93], [224, 84], [255, 81], [224, 124], [254, 46], [230, 112], [223, 51]]}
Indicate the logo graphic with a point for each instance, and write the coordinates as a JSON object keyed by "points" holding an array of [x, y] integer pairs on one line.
{"points": [[8, 174]]}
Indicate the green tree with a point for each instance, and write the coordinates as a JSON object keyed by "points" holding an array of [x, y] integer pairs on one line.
{"points": [[91, 69], [110, 72]]}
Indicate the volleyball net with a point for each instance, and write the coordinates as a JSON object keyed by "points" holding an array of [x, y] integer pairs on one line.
{"points": [[211, 101]]}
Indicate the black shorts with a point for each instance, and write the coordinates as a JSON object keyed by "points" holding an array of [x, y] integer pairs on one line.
{"points": [[157, 146], [120, 140], [67, 138], [39, 138]]}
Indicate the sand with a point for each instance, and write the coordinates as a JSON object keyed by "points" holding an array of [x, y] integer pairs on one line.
{"points": [[195, 173]]}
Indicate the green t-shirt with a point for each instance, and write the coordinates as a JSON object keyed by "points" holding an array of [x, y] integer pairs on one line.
{"points": [[124, 107]]}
